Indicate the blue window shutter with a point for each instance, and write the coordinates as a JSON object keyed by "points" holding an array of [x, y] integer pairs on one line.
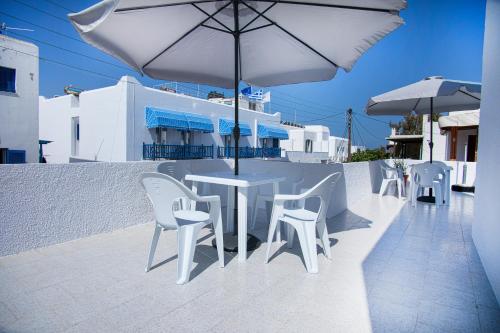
{"points": [[7, 79], [16, 156]]}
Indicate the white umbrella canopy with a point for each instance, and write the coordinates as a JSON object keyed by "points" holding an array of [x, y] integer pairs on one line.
{"points": [[280, 42], [223, 42], [447, 96], [430, 95]]}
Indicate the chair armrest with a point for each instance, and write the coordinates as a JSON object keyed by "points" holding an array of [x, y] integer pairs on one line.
{"points": [[282, 198], [208, 198]]}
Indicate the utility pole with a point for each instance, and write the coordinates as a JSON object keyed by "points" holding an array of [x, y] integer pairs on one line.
{"points": [[349, 134]]}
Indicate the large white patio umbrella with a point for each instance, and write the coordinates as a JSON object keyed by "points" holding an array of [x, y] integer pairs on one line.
{"points": [[431, 95], [223, 42]]}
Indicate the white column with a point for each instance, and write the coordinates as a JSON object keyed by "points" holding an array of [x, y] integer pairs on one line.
{"points": [[486, 226]]}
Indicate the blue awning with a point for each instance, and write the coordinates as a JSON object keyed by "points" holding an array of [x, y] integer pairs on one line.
{"points": [[226, 127], [271, 132], [182, 121]]}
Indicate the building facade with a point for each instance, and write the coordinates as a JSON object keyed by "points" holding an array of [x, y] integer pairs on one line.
{"points": [[461, 131], [19, 84], [131, 122], [307, 144]]}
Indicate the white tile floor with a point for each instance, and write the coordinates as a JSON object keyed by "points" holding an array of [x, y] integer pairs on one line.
{"points": [[394, 269]]}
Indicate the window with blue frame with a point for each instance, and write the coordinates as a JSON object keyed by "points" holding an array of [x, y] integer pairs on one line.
{"points": [[7, 79]]}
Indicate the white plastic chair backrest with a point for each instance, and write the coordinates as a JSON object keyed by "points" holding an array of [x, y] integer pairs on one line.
{"points": [[442, 165], [164, 192], [167, 168], [426, 173], [323, 191], [389, 172]]}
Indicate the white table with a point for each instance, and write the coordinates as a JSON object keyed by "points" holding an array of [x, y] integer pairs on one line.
{"points": [[243, 182]]}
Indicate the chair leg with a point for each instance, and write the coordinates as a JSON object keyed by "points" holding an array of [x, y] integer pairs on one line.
{"points": [[219, 239], [325, 241], [310, 229], [278, 232], [416, 190], [304, 245], [438, 195], [400, 188], [270, 233], [290, 234], [186, 243], [383, 187], [152, 249]]}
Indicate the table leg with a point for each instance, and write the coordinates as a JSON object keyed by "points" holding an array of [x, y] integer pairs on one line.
{"points": [[448, 188], [230, 209], [242, 223], [194, 188], [276, 190]]}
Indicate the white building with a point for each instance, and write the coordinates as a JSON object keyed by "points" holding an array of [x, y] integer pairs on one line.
{"points": [[338, 150], [455, 136], [114, 123], [18, 101], [307, 144], [461, 131]]}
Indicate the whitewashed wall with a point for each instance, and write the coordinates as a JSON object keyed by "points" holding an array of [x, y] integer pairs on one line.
{"points": [[439, 151], [44, 204], [486, 226], [102, 115], [19, 110]]}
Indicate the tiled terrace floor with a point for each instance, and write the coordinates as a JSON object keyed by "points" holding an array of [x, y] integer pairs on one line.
{"points": [[395, 269]]}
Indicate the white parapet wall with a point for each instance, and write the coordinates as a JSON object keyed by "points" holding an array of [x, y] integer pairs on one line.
{"points": [[45, 204], [486, 226]]}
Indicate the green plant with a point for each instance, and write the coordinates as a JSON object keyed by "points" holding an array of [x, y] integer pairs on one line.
{"points": [[400, 164], [369, 155]]}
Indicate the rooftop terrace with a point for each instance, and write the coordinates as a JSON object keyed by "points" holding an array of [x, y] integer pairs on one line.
{"points": [[395, 268]]}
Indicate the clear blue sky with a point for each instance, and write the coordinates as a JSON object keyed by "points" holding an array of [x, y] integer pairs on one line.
{"points": [[442, 37]]}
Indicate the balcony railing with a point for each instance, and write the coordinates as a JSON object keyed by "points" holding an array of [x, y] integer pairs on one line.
{"points": [[176, 152], [248, 152]]}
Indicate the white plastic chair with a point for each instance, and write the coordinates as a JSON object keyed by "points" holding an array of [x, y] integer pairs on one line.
{"points": [[390, 175], [426, 175], [445, 186], [169, 168], [165, 193], [263, 198], [304, 221]]}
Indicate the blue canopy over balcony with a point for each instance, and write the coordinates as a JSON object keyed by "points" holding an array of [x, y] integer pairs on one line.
{"points": [[226, 127], [178, 120], [271, 132]]}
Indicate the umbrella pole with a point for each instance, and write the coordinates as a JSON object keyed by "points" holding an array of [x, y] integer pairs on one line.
{"points": [[236, 130], [431, 143], [429, 198], [231, 240]]}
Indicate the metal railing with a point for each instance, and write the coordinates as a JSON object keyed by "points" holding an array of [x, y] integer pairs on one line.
{"points": [[248, 152], [176, 152]]}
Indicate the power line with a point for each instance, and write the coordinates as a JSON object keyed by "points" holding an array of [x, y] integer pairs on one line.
{"points": [[374, 119], [366, 129], [60, 6], [327, 117], [63, 64], [44, 28], [308, 102], [358, 133], [71, 51], [42, 11]]}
